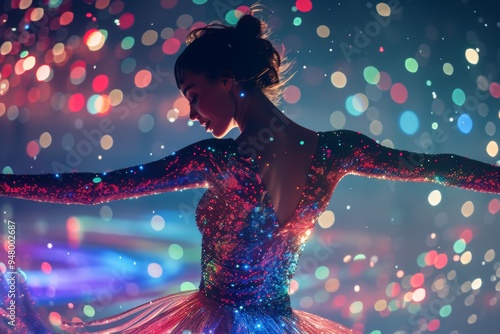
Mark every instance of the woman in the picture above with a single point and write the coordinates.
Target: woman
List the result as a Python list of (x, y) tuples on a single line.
[(265, 190)]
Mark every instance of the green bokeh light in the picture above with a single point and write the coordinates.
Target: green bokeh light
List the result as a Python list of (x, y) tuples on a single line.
[(458, 97), (7, 170), (421, 260), (322, 272), (54, 3), (371, 75), (411, 65), (186, 286), (448, 69), (88, 311), (175, 251), (445, 311), (393, 305), (459, 246), (231, 17), (127, 43), (359, 257)]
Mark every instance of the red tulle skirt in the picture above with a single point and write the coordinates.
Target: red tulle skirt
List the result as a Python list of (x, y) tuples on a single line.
[(187, 312), (191, 312)]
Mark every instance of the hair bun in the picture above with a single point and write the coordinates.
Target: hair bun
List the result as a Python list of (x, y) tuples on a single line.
[(249, 26)]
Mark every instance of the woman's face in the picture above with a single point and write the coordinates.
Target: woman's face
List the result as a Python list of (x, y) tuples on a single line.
[(212, 103)]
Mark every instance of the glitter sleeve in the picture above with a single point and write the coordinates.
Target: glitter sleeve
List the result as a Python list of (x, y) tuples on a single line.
[(363, 156), (190, 167)]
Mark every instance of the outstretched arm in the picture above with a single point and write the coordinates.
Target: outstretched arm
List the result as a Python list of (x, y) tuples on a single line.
[(191, 167), (361, 155)]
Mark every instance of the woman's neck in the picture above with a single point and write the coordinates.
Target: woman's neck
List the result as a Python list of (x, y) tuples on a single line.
[(258, 117)]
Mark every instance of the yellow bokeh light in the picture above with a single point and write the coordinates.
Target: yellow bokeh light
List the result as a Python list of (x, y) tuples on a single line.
[(6, 48), (115, 97), (338, 119), (323, 31), (418, 295), (472, 56), (96, 40), (387, 143), (360, 102), (29, 63), (439, 284), (102, 104), (492, 148), (383, 9), (149, 37), (45, 140), (172, 115), (36, 14), (356, 307), (380, 305), (400, 273), (476, 284), (332, 285), (472, 319), (24, 4), (339, 79), (469, 300), (466, 257), (467, 209), (376, 127), (58, 59), (326, 219), (58, 49), (106, 142), (466, 286), (18, 68), (43, 73), (408, 297), (4, 86), (490, 255)]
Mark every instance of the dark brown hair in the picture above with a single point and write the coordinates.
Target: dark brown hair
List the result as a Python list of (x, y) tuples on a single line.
[(243, 53)]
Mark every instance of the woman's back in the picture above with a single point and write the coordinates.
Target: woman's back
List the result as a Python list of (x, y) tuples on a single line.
[(284, 166)]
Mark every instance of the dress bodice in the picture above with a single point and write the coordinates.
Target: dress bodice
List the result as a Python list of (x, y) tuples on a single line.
[(248, 258)]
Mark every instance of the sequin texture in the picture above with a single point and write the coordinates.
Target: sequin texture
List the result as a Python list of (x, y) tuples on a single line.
[(248, 258)]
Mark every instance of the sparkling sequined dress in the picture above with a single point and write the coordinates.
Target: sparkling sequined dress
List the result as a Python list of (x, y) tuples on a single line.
[(248, 257)]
